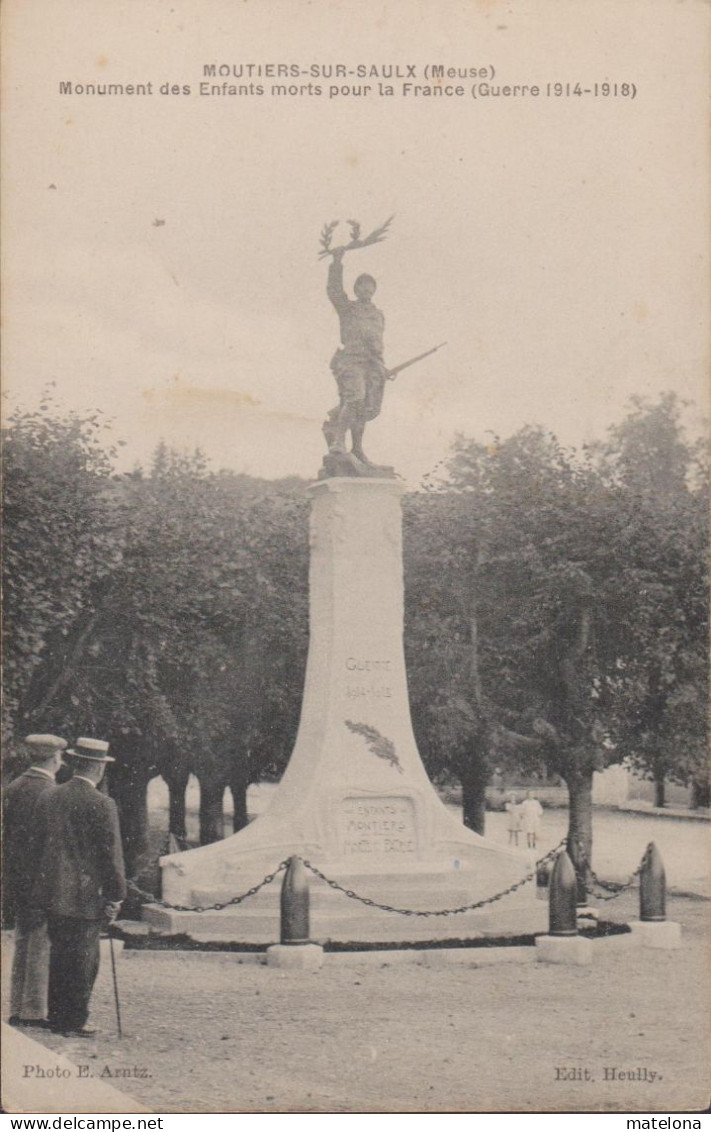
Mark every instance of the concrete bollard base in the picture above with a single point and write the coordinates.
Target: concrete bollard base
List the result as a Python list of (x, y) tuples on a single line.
[(295, 957), (570, 949), (664, 934)]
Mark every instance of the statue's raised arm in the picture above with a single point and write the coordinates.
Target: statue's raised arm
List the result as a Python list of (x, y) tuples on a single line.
[(334, 287)]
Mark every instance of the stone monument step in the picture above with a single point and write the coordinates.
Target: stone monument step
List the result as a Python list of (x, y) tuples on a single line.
[(417, 890), (354, 921)]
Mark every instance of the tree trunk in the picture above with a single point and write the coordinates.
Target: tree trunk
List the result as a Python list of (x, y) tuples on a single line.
[(212, 824), (580, 827), (700, 795), (475, 773), (238, 790), (659, 792), (176, 810), (177, 782), (474, 778), (129, 788)]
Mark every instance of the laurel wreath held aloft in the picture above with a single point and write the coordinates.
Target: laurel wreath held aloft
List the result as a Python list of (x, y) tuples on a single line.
[(374, 237)]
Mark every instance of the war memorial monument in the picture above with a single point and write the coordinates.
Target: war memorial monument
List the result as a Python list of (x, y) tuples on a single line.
[(355, 800)]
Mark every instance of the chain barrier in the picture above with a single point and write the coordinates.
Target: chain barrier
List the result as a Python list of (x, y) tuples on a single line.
[(442, 911), (151, 899), (612, 888), (218, 907)]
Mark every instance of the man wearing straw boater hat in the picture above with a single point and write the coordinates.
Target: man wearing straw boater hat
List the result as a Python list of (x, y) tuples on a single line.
[(30, 961), (80, 882)]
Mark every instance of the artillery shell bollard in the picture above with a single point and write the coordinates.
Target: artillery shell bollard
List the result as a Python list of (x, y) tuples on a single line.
[(295, 952), (585, 912), (563, 944), (652, 928)]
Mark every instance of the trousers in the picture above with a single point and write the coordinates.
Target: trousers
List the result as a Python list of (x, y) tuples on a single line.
[(73, 967), (361, 383), (30, 967)]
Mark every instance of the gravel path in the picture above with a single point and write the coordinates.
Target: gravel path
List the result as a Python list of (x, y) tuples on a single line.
[(217, 1036)]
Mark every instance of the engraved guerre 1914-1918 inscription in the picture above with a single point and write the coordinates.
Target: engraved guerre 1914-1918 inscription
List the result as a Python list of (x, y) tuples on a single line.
[(368, 679)]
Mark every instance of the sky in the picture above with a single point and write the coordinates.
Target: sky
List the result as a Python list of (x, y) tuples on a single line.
[(160, 253)]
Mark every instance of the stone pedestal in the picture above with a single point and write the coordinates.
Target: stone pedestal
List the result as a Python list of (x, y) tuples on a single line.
[(663, 934), (572, 950), (297, 957), (355, 799)]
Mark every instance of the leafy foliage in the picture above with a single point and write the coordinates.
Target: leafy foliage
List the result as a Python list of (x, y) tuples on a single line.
[(662, 664), (557, 606), (63, 539), (165, 611)]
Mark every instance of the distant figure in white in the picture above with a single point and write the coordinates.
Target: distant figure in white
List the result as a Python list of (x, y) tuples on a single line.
[(514, 819), (531, 812)]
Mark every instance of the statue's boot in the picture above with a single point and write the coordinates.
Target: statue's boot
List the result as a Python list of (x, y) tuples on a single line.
[(360, 455), (346, 419), (368, 467), (357, 450)]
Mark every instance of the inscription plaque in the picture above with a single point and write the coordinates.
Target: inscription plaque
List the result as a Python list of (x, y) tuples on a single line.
[(383, 826)]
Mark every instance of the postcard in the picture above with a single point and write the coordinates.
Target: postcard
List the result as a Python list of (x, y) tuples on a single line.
[(355, 398)]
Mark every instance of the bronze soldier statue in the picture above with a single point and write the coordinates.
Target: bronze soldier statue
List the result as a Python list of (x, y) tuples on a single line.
[(357, 365)]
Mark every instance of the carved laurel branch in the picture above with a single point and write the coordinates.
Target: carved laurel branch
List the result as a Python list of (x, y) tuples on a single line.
[(376, 742), (374, 237)]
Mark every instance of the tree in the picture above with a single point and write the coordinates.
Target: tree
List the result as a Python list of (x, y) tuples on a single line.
[(149, 609), (235, 669), (452, 651), (208, 582), (492, 535), (62, 543), (663, 668), (551, 599)]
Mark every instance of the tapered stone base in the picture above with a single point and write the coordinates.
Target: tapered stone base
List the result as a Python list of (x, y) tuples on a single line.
[(355, 799)]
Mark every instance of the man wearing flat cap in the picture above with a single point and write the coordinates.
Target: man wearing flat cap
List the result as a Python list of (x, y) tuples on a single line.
[(80, 882), (30, 962)]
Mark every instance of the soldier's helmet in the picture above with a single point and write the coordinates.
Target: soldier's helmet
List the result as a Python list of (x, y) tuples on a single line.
[(365, 286)]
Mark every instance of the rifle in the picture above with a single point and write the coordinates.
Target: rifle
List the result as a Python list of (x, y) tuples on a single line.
[(392, 373)]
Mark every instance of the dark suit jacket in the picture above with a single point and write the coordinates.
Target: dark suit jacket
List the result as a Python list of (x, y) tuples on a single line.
[(19, 864), (79, 855)]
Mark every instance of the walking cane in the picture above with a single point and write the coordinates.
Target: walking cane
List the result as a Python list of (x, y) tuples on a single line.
[(116, 994)]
